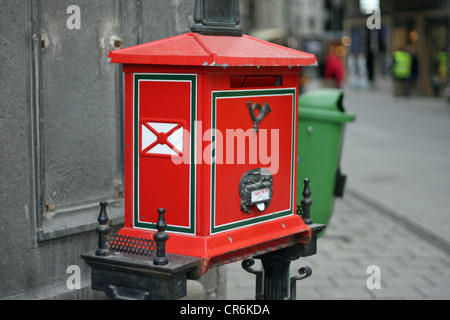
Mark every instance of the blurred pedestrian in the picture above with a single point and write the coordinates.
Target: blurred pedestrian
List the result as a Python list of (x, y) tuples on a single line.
[(362, 70), (401, 71), (439, 78), (334, 68), (352, 69), (414, 72), (447, 89)]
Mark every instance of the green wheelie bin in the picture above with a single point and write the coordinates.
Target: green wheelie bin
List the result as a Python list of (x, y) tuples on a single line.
[(321, 124)]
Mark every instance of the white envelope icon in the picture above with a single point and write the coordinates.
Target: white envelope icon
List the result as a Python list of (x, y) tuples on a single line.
[(162, 138)]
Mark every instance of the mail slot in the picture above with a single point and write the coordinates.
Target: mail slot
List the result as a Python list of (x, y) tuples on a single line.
[(210, 135)]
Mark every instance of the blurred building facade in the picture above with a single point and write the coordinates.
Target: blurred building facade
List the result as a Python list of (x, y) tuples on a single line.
[(299, 24), (287, 22), (421, 27)]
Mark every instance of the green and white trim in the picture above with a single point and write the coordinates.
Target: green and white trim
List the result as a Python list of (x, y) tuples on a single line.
[(168, 77), (216, 95)]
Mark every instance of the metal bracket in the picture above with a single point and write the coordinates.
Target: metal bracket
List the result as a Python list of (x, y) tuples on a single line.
[(304, 273), (246, 265)]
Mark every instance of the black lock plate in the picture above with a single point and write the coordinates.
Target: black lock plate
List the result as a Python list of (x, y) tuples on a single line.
[(256, 188)]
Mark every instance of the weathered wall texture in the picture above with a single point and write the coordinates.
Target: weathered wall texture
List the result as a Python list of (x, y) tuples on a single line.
[(61, 123)]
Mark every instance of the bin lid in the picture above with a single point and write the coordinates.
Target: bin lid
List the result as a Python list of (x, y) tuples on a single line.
[(193, 49), (325, 104)]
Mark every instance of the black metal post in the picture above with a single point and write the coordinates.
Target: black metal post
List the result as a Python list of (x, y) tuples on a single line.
[(160, 238), (275, 283), (218, 17), (103, 230), (306, 203), (276, 270)]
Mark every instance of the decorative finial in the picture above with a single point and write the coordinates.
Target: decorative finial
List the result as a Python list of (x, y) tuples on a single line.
[(217, 17), (306, 203), (160, 238), (103, 229)]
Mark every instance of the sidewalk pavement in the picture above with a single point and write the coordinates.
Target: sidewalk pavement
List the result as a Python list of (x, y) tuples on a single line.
[(360, 236)]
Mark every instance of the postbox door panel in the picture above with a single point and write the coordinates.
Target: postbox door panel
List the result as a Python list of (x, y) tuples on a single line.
[(164, 175), (253, 166)]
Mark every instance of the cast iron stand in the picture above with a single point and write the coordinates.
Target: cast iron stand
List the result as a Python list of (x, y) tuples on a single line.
[(273, 283)]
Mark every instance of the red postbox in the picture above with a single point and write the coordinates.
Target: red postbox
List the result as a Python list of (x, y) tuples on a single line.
[(210, 135)]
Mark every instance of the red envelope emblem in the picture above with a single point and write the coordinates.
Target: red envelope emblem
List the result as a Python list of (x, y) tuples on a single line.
[(162, 138)]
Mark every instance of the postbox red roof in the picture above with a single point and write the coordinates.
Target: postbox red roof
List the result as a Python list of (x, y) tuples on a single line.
[(192, 49)]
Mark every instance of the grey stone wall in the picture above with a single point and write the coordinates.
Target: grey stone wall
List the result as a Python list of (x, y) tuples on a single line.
[(61, 128)]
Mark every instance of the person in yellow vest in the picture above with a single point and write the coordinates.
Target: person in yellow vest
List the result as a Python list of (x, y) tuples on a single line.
[(439, 79), (442, 58), (443, 70), (401, 71)]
